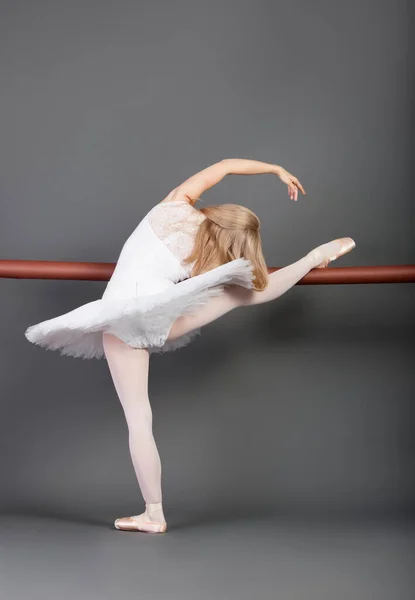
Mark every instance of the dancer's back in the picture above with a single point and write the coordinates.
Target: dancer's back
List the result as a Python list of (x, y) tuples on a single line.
[(151, 258)]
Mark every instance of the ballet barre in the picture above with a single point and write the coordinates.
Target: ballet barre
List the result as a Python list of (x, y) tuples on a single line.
[(93, 271)]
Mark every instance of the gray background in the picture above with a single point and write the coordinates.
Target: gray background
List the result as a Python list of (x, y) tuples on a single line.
[(297, 409)]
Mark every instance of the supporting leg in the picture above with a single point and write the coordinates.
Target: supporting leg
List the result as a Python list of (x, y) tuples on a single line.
[(129, 370)]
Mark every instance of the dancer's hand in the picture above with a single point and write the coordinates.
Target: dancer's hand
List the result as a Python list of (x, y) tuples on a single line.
[(293, 184)]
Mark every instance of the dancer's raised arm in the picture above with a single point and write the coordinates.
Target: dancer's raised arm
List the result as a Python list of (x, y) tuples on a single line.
[(195, 185)]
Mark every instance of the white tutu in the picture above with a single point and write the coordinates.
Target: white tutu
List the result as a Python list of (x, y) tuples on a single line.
[(146, 292)]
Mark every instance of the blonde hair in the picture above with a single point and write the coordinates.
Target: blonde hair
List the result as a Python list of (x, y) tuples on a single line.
[(229, 231)]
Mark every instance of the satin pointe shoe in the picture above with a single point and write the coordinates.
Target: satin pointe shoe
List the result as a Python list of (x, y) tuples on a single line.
[(138, 523), (347, 244)]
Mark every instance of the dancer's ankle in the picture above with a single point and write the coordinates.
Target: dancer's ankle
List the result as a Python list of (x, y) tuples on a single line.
[(322, 252), (313, 258), (154, 512)]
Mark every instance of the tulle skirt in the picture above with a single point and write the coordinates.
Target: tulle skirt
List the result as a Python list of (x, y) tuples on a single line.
[(141, 321)]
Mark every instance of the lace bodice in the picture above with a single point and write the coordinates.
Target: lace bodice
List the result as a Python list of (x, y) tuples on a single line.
[(176, 223)]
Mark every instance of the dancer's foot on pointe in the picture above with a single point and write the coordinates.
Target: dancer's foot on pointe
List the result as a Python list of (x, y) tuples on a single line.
[(326, 253), (150, 521)]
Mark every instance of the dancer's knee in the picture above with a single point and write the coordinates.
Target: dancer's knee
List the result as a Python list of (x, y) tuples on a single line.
[(139, 418)]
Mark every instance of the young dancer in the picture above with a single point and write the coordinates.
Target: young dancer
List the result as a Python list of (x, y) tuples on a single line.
[(180, 269)]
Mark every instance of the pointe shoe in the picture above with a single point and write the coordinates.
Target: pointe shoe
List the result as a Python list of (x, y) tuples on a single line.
[(347, 244), (133, 524)]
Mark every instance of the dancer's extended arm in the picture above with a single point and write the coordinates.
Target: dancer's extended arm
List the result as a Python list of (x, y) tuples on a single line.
[(195, 185)]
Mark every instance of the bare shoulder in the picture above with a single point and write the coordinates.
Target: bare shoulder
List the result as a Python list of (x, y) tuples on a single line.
[(176, 194)]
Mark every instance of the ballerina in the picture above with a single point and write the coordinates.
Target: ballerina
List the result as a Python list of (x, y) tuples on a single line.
[(180, 269)]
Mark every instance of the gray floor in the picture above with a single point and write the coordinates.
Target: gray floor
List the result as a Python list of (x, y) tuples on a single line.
[(208, 557)]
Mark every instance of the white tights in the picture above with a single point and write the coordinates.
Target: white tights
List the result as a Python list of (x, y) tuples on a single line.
[(129, 368)]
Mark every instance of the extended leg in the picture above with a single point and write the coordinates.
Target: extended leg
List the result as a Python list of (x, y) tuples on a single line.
[(233, 296), (129, 370)]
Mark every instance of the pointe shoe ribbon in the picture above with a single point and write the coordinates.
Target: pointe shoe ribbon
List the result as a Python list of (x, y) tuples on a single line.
[(347, 244), (132, 524)]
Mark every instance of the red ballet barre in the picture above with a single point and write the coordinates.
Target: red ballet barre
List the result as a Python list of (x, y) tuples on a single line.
[(92, 271)]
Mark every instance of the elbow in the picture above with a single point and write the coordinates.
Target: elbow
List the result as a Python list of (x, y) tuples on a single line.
[(225, 165)]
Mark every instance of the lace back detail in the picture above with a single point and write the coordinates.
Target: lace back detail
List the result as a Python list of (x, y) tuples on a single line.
[(176, 224)]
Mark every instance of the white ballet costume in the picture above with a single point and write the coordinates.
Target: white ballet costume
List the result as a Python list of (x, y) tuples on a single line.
[(148, 290)]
